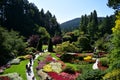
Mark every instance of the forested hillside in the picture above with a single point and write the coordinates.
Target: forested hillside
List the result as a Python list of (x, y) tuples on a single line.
[(70, 25), (25, 17)]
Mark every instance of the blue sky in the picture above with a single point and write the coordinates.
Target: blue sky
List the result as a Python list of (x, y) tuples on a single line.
[(65, 10)]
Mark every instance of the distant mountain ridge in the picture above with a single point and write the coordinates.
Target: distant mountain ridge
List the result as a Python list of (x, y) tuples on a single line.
[(70, 25), (73, 24)]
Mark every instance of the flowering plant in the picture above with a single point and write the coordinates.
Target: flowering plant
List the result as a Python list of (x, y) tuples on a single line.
[(56, 67), (47, 68), (88, 58)]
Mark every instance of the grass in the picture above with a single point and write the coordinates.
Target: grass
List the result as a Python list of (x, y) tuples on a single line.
[(46, 47), (54, 55), (20, 69)]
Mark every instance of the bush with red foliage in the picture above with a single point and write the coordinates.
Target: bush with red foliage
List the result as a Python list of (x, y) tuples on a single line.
[(57, 40), (4, 78), (49, 58), (33, 41)]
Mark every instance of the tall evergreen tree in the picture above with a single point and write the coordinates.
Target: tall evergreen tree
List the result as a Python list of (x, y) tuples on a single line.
[(50, 45)]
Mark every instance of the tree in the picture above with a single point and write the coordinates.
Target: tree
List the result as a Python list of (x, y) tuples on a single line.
[(22, 16), (11, 45), (106, 25), (83, 43), (84, 23), (50, 45), (56, 40), (44, 36), (115, 4), (114, 55), (33, 41), (115, 52)]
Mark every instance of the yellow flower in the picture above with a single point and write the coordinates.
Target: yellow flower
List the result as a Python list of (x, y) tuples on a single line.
[(47, 68), (88, 58), (117, 24)]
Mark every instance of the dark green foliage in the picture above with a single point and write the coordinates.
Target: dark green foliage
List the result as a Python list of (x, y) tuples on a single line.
[(11, 45), (104, 61), (96, 27), (44, 36), (67, 57), (22, 16), (70, 36), (83, 24), (66, 47), (103, 43), (115, 4), (91, 75), (70, 25), (39, 45), (67, 38), (69, 69), (83, 44), (114, 55), (50, 46), (106, 25)]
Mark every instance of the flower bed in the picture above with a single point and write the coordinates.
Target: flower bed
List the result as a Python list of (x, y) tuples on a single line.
[(56, 76), (12, 76), (15, 61), (4, 78), (40, 65), (1, 71), (69, 76)]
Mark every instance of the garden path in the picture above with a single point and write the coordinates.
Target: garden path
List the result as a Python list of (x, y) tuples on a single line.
[(29, 77), (95, 65)]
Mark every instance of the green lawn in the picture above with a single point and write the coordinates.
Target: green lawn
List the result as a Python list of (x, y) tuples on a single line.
[(54, 55), (46, 47), (20, 68)]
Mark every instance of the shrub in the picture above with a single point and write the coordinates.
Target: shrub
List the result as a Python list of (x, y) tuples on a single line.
[(33, 40), (104, 61), (30, 50), (66, 57), (113, 75), (115, 65), (69, 69), (66, 47), (83, 44), (91, 75)]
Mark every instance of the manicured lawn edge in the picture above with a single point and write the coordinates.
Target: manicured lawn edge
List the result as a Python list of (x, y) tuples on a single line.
[(20, 69)]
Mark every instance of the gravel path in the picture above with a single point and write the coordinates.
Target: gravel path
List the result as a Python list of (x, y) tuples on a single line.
[(95, 65), (30, 77)]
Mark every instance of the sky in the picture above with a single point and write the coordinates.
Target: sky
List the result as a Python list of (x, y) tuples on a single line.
[(65, 10)]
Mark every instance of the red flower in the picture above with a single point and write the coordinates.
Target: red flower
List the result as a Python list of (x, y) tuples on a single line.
[(4, 78)]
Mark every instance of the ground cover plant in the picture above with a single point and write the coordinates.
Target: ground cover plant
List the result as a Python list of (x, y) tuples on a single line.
[(20, 69)]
